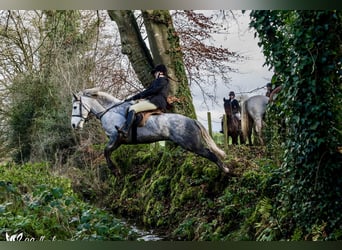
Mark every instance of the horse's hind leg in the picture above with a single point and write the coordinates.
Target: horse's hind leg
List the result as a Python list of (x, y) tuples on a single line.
[(249, 133), (206, 153), (258, 131), (110, 147), (198, 148)]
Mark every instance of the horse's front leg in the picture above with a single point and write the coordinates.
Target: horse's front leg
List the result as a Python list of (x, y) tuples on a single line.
[(110, 147)]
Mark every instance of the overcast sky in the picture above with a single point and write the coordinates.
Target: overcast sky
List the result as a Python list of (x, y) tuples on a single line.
[(252, 74)]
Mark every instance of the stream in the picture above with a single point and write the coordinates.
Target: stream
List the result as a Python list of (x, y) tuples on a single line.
[(146, 235), (143, 234)]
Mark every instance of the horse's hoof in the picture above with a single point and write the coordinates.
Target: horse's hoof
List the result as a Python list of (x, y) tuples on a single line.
[(226, 170)]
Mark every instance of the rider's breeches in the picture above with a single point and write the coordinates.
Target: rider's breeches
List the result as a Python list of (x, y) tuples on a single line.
[(142, 105)]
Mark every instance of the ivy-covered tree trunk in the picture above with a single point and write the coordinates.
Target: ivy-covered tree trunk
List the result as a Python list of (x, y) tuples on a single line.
[(304, 48), (165, 48)]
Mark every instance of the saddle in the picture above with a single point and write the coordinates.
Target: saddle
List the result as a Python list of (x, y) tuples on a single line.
[(142, 117)]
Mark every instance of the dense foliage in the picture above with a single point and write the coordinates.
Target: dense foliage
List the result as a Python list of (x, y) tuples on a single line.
[(38, 121), (304, 49), (36, 205)]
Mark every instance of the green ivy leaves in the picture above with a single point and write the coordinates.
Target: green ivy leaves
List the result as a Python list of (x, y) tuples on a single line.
[(304, 49)]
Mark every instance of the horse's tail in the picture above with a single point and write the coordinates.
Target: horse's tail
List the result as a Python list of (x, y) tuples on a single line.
[(210, 142), (245, 121)]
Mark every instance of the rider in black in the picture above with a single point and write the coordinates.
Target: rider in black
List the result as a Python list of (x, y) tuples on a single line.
[(154, 97), (235, 106)]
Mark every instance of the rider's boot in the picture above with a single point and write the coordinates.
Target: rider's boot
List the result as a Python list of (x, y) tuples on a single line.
[(127, 126)]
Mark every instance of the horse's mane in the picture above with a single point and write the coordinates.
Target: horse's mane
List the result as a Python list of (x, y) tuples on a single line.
[(103, 97)]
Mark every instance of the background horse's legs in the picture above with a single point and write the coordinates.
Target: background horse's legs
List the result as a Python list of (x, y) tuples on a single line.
[(258, 129), (110, 147), (234, 138), (241, 138)]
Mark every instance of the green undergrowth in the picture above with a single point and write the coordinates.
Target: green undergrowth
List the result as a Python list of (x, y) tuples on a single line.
[(179, 195), (37, 205), (187, 197)]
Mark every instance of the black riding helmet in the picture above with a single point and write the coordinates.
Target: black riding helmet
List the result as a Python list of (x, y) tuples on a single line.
[(231, 93), (161, 68)]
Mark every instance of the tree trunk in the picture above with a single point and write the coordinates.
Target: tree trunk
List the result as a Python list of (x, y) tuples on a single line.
[(133, 44), (165, 48)]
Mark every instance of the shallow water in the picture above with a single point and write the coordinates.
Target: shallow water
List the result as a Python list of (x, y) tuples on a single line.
[(144, 235)]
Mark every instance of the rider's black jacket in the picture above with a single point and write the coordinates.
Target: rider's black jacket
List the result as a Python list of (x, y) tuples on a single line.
[(156, 93), (234, 105)]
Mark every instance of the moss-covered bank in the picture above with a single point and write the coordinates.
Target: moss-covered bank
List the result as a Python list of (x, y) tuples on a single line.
[(188, 198)]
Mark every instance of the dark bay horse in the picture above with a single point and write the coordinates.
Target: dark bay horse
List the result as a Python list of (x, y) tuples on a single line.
[(233, 124), (184, 131), (252, 117)]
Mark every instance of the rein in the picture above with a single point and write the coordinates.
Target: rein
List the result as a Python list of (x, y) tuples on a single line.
[(99, 116)]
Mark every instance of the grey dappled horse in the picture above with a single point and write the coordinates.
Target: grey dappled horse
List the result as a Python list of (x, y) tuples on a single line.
[(252, 114), (187, 133)]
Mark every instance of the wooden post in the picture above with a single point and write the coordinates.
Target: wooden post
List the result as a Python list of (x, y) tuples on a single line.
[(210, 129), (225, 132)]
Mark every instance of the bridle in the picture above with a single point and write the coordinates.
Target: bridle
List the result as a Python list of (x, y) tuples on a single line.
[(81, 105)]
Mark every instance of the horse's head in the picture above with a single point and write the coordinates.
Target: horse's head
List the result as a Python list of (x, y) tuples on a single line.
[(80, 112), (227, 107)]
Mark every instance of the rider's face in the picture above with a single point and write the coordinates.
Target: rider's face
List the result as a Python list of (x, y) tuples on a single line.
[(156, 74)]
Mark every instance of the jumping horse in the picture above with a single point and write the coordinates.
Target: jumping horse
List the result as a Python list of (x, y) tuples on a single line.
[(184, 131), (252, 114), (233, 124)]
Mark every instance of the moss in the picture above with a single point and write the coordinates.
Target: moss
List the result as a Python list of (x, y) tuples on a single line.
[(171, 190), (154, 214), (251, 179), (211, 173), (161, 186), (185, 230)]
